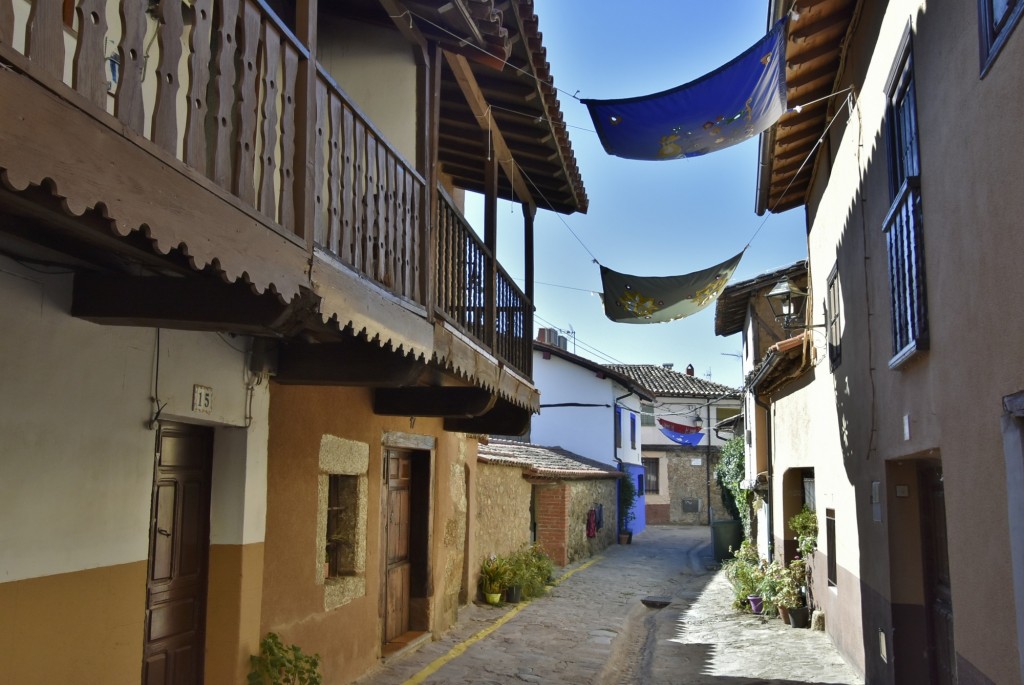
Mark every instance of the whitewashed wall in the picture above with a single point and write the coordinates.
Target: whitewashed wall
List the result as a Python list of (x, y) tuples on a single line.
[(76, 472)]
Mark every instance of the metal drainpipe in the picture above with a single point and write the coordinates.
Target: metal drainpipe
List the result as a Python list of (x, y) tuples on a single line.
[(771, 504), (707, 465)]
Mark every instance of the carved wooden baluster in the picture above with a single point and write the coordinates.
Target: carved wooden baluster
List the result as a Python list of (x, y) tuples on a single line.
[(291, 68), (268, 141), (359, 193), (415, 232), (319, 162), (165, 112), (45, 44), (348, 204), (224, 93), (198, 79), (6, 22), (369, 268), (386, 198), (401, 230), (334, 177), (128, 105), (90, 78), (245, 173)]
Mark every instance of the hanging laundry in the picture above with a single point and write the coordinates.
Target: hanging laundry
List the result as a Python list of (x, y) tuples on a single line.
[(735, 102), (689, 439), (658, 299), (592, 524)]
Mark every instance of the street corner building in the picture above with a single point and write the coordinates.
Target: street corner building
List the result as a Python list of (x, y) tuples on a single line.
[(251, 340), (885, 391)]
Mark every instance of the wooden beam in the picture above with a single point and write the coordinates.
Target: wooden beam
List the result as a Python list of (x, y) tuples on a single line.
[(403, 20), (190, 304), (504, 419), (452, 402), (481, 111), (352, 362)]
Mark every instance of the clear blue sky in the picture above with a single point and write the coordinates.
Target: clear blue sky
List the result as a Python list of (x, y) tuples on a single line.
[(646, 218)]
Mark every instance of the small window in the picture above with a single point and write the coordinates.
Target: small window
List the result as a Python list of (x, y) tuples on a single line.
[(650, 476), (632, 430), (723, 413), (832, 318), (996, 20), (342, 524), (646, 414), (830, 542), (618, 426), (903, 223)]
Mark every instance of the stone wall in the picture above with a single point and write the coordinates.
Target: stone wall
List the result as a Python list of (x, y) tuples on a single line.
[(583, 496), (502, 511), (687, 480)]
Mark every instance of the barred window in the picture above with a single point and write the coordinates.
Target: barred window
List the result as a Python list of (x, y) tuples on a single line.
[(832, 319), (996, 20), (646, 414), (650, 476)]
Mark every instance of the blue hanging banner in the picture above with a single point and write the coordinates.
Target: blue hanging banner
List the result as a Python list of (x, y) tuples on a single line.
[(658, 299), (688, 439), (735, 102)]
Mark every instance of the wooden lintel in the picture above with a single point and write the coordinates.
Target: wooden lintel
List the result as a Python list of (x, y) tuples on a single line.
[(353, 362), (481, 111), (452, 402), (504, 419), (194, 304)]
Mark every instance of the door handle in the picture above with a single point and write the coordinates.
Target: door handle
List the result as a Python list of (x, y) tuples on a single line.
[(164, 532)]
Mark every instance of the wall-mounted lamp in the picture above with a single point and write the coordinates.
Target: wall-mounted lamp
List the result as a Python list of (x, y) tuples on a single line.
[(697, 420), (787, 302)]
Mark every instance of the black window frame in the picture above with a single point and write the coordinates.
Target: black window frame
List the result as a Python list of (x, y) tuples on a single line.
[(830, 547), (651, 465), (632, 430), (833, 307), (992, 34), (618, 427), (903, 223)]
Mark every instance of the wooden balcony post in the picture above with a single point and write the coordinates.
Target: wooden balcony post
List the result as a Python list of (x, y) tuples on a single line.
[(529, 213), (491, 242), (429, 224), (306, 122)]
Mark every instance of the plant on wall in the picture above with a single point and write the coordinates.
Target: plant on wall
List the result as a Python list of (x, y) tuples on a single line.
[(805, 525), (627, 497), (729, 472), (281, 664)]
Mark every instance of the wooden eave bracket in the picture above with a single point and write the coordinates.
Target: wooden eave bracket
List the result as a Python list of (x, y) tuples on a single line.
[(504, 418)]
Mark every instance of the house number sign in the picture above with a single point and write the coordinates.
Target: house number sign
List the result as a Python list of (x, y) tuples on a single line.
[(202, 398)]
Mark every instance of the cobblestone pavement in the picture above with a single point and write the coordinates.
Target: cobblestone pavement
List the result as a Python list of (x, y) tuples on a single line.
[(592, 628)]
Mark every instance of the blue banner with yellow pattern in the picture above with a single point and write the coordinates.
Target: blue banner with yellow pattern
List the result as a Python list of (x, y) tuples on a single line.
[(657, 299), (735, 102)]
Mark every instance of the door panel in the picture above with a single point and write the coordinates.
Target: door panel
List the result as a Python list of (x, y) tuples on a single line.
[(938, 588), (396, 617), (179, 548)]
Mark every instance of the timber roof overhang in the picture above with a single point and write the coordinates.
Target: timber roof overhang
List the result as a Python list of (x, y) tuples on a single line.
[(784, 362), (731, 307), (815, 49), (502, 44), (601, 370)]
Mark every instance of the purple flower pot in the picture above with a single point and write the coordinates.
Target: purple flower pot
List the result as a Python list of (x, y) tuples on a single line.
[(755, 604)]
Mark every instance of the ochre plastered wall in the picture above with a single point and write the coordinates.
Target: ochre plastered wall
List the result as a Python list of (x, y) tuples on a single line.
[(348, 637)]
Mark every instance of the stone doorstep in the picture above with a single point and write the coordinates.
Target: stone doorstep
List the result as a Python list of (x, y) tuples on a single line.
[(404, 644)]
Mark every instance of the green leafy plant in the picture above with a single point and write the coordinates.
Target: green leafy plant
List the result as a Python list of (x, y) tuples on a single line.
[(746, 572), (539, 570), (791, 593), (729, 472), (495, 574), (805, 525), (627, 498), (281, 664), (772, 586)]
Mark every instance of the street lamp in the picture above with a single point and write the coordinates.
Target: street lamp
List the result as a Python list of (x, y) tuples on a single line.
[(787, 302)]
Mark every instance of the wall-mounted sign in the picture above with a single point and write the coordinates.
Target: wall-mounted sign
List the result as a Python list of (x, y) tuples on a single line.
[(202, 399)]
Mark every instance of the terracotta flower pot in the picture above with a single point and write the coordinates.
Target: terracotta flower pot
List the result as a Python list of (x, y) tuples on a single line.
[(784, 614)]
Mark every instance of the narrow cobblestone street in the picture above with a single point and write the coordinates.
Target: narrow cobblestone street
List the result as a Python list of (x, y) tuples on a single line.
[(592, 628)]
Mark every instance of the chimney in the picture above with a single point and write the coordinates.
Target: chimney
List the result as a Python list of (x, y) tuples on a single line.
[(563, 342), (689, 369), (668, 365)]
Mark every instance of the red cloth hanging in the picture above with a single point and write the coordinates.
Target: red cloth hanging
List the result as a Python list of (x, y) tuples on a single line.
[(592, 524)]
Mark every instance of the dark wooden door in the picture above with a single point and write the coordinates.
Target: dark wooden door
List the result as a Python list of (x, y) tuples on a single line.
[(396, 613), (179, 541), (938, 591)]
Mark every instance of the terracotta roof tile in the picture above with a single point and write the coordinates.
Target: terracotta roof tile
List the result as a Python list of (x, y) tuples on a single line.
[(666, 382)]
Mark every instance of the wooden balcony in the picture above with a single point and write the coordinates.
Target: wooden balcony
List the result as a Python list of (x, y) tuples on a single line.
[(213, 143)]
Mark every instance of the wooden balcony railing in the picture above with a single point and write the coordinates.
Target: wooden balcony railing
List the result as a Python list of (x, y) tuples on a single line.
[(219, 86), (492, 309), (372, 216)]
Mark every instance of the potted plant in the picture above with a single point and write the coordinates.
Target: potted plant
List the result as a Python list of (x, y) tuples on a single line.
[(519, 575), (771, 587), (627, 498), (494, 575), (745, 571), (795, 594)]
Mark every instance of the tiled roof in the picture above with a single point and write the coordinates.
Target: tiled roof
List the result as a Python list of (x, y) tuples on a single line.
[(547, 462), (666, 382), (606, 370), (731, 306)]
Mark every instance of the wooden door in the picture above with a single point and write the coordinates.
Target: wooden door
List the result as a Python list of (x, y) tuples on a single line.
[(938, 591), (179, 541), (396, 613)]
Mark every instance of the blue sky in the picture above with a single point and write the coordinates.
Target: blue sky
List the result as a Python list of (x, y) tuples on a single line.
[(646, 218)]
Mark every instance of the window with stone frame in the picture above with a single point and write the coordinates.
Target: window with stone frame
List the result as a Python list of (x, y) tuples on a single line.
[(996, 21), (342, 524), (903, 224)]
